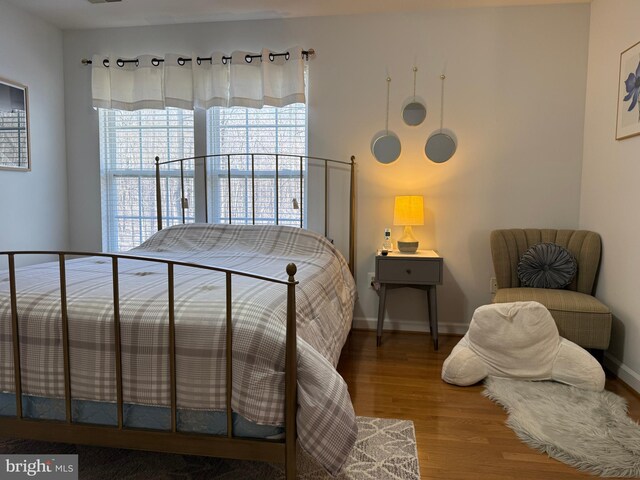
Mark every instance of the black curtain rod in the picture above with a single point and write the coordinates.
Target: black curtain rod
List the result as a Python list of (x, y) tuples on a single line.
[(182, 60)]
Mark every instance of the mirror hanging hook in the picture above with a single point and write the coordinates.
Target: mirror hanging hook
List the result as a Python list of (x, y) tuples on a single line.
[(414, 109), (386, 146), (386, 124), (442, 77), (440, 146)]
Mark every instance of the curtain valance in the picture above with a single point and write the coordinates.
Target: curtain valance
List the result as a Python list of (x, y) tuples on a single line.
[(244, 79)]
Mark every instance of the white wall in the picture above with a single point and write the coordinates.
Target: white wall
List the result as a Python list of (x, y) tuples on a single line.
[(33, 205), (514, 97), (610, 193)]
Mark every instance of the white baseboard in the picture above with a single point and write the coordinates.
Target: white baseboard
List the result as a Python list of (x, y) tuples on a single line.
[(364, 323), (622, 371)]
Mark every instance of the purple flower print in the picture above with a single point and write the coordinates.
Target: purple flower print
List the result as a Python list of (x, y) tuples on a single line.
[(632, 84)]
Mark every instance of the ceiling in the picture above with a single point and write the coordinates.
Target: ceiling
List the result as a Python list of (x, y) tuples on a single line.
[(78, 14)]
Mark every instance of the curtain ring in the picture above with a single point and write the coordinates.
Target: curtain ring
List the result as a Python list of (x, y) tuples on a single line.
[(138, 62), (181, 61), (271, 57), (286, 56), (105, 62), (154, 61), (198, 60), (248, 59), (120, 62), (224, 60)]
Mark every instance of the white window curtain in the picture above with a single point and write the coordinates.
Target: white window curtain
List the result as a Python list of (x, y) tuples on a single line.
[(282, 79), (100, 83), (211, 82), (246, 80), (178, 82), (137, 85)]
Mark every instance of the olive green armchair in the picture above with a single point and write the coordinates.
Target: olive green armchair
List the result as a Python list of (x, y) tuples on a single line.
[(580, 317)]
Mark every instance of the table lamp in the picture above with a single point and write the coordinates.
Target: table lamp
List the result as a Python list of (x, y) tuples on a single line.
[(408, 211)]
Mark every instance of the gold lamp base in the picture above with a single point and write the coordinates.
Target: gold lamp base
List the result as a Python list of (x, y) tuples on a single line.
[(407, 247), (408, 243)]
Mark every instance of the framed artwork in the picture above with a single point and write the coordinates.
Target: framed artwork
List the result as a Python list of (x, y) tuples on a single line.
[(15, 153), (628, 122)]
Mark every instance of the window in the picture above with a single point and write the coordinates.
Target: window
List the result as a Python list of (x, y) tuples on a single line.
[(280, 130), (129, 142), (13, 139)]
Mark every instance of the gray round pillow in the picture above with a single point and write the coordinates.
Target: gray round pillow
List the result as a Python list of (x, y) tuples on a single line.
[(547, 265)]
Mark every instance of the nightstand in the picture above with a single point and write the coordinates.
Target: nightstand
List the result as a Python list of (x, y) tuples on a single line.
[(422, 270)]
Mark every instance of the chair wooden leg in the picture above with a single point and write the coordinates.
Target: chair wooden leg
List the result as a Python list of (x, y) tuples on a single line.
[(597, 354)]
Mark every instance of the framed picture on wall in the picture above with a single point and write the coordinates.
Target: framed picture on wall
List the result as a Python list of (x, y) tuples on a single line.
[(15, 153), (628, 123)]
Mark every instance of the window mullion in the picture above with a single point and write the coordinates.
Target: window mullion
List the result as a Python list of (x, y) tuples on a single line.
[(141, 140), (112, 196)]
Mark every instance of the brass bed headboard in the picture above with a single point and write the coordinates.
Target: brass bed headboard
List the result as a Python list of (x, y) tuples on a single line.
[(184, 204)]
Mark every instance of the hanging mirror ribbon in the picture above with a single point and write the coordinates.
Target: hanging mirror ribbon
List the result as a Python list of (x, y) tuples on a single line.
[(414, 110), (440, 146), (385, 145)]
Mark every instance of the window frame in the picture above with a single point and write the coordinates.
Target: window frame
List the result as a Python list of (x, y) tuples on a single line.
[(14, 127), (109, 176), (111, 172), (215, 174)]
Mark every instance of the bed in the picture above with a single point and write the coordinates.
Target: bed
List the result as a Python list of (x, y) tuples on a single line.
[(184, 344)]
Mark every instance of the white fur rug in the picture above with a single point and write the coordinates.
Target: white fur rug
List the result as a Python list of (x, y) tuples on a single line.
[(587, 430)]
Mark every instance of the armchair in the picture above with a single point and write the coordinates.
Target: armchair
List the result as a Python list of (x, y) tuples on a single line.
[(580, 317)]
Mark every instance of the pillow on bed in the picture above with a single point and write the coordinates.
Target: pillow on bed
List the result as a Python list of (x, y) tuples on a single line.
[(547, 265)]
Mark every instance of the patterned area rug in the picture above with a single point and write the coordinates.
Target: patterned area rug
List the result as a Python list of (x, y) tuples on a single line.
[(587, 430), (385, 449)]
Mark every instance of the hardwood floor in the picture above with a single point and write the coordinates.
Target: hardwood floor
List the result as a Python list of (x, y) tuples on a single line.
[(460, 433)]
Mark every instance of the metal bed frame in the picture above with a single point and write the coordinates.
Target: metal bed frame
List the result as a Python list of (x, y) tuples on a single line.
[(172, 440), (276, 156)]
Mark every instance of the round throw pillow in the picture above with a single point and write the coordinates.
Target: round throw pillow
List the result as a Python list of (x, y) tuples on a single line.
[(547, 265)]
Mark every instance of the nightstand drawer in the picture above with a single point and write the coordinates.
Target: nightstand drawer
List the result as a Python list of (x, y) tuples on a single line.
[(410, 271)]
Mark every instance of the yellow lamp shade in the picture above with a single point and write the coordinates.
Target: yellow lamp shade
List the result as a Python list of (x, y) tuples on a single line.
[(409, 210)]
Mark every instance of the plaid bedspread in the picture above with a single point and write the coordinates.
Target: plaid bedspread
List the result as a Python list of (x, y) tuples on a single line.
[(325, 299)]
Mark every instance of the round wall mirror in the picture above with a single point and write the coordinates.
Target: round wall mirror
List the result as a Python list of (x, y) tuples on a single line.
[(386, 147), (414, 112), (440, 147)]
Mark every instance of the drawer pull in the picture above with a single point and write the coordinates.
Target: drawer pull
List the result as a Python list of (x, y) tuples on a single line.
[(408, 271)]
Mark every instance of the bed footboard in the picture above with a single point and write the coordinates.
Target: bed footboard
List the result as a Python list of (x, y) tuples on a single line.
[(172, 440)]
